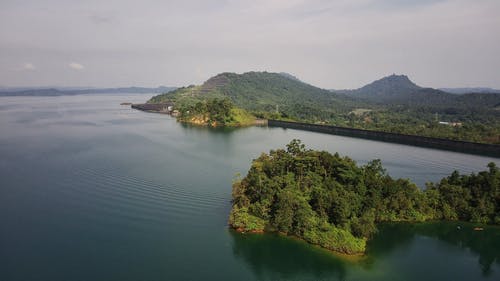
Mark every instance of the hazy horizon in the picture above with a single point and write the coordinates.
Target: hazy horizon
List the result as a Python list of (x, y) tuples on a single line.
[(329, 44), (3, 87)]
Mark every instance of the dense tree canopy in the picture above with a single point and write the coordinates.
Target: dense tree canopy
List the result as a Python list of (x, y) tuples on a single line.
[(213, 112), (328, 200)]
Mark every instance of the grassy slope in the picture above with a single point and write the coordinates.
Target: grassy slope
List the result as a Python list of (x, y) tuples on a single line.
[(241, 117)]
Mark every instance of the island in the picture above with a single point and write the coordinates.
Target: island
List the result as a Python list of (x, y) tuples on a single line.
[(328, 200)]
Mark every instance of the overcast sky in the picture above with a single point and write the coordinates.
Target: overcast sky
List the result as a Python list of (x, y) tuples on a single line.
[(330, 44)]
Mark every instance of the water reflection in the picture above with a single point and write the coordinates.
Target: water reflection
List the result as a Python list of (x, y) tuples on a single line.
[(207, 129), (272, 257), (430, 250), (462, 236)]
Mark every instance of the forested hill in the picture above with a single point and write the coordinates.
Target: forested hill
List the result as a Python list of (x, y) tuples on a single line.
[(387, 88), (265, 93), (268, 92), (399, 89)]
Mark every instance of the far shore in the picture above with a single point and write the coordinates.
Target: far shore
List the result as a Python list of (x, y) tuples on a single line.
[(491, 150)]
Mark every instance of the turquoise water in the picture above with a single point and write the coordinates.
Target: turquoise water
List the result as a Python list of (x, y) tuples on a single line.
[(91, 190)]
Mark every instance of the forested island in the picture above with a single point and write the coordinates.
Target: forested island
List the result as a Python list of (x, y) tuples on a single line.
[(330, 201)]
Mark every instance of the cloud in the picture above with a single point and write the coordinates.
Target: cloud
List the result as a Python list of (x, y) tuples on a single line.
[(331, 44), (76, 66), (29, 66)]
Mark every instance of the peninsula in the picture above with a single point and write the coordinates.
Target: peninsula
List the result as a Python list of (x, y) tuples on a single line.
[(330, 201)]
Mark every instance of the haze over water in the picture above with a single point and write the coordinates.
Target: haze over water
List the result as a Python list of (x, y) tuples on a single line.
[(91, 190)]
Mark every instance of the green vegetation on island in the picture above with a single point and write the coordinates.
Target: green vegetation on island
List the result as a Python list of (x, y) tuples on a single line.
[(211, 109), (215, 112), (330, 201), (392, 104)]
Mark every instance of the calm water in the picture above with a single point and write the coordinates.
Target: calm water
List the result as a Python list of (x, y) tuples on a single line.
[(91, 190)]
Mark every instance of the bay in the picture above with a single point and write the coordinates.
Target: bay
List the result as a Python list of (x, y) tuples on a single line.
[(92, 190)]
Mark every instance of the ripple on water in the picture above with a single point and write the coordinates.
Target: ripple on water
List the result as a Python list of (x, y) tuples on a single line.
[(110, 192)]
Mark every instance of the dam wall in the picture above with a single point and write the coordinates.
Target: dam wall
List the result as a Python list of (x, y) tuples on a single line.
[(491, 150)]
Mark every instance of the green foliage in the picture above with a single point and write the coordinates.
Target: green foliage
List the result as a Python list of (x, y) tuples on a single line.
[(474, 197), (330, 201), (273, 93), (241, 219), (209, 111), (478, 124), (265, 95), (241, 117), (213, 112), (335, 239)]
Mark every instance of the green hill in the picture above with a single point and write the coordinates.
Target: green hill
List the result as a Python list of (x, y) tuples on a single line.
[(270, 95), (387, 88), (399, 89)]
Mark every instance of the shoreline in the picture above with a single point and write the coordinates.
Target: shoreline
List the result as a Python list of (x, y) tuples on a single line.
[(464, 226), (484, 149), (294, 237), (165, 108)]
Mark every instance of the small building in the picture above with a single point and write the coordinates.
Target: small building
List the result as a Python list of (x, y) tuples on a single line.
[(453, 124)]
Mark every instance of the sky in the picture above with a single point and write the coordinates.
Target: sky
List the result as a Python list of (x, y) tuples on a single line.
[(331, 44)]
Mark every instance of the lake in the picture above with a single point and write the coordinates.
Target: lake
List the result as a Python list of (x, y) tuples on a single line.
[(92, 190)]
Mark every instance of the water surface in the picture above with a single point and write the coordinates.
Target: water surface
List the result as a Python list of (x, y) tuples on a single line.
[(91, 190)]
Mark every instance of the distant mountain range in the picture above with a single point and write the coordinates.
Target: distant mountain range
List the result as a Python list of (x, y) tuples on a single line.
[(267, 91), (283, 92), (395, 85), (388, 88), (81, 91)]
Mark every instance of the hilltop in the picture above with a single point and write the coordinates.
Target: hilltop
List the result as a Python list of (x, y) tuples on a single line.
[(400, 90), (390, 87)]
